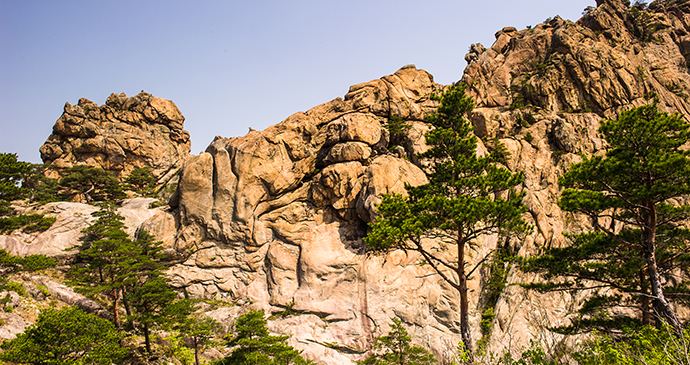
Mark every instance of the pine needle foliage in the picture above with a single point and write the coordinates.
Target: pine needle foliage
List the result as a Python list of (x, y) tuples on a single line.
[(254, 345), (468, 196), (66, 336), (638, 252), (395, 348)]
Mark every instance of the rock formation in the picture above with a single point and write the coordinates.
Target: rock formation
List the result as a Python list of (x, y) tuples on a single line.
[(275, 219), (122, 135)]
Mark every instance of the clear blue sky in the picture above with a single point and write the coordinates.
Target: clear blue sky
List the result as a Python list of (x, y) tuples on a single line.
[(230, 65)]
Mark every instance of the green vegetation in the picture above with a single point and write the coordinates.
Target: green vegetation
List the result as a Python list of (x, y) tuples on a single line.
[(254, 345), (459, 204), (397, 128), (201, 330), (640, 245), (12, 172), (66, 336), (642, 24), (123, 271), (91, 183), (12, 175), (650, 346), (142, 182), (396, 348)]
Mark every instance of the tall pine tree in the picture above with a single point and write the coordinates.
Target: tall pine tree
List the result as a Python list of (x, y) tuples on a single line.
[(468, 196), (635, 196)]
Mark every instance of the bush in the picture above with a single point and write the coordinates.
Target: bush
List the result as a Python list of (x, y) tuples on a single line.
[(648, 346)]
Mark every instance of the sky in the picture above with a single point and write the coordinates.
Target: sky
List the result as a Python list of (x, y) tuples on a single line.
[(230, 65)]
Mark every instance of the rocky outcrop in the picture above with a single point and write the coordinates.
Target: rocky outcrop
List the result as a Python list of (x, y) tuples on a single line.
[(276, 218), (122, 135), (70, 220), (610, 59)]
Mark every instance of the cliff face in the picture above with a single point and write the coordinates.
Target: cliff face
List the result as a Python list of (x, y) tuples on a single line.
[(275, 219), (122, 135)]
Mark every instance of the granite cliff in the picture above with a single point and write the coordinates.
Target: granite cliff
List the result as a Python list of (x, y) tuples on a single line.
[(274, 219)]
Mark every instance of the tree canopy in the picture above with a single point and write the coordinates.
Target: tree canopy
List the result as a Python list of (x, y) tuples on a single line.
[(66, 336), (395, 348), (94, 183), (637, 254), (255, 345), (468, 196)]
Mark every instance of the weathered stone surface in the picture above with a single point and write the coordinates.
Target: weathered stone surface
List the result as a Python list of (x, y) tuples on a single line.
[(349, 151), (276, 218), (122, 135), (71, 219), (288, 206), (595, 64)]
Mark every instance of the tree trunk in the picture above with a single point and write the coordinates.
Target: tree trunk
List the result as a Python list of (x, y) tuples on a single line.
[(464, 303), (116, 316), (147, 341), (644, 298), (125, 302), (662, 306), (196, 351)]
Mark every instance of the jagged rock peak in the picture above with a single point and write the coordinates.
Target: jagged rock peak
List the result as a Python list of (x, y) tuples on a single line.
[(611, 58), (124, 134)]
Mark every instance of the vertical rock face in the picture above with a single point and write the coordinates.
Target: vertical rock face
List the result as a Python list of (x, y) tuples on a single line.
[(276, 218), (122, 135)]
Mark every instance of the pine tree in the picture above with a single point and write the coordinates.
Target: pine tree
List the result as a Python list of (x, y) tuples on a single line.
[(66, 336), (395, 348), (254, 344), (12, 172), (635, 197), (142, 182), (94, 183), (101, 267), (467, 196), (200, 329)]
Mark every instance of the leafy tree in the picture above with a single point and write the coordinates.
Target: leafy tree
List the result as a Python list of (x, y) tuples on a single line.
[(467, 196), (29, 223), (397, 127), (254, 344), (66, 336), (395, 348), (13, 175), (634, 197), (142, 181), (128, 272), (147, 289), (94, 183)]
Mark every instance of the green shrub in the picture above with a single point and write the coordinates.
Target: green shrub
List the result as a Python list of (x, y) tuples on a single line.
[(529, 138), (650, 346), (67, 336), (16, 287)]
